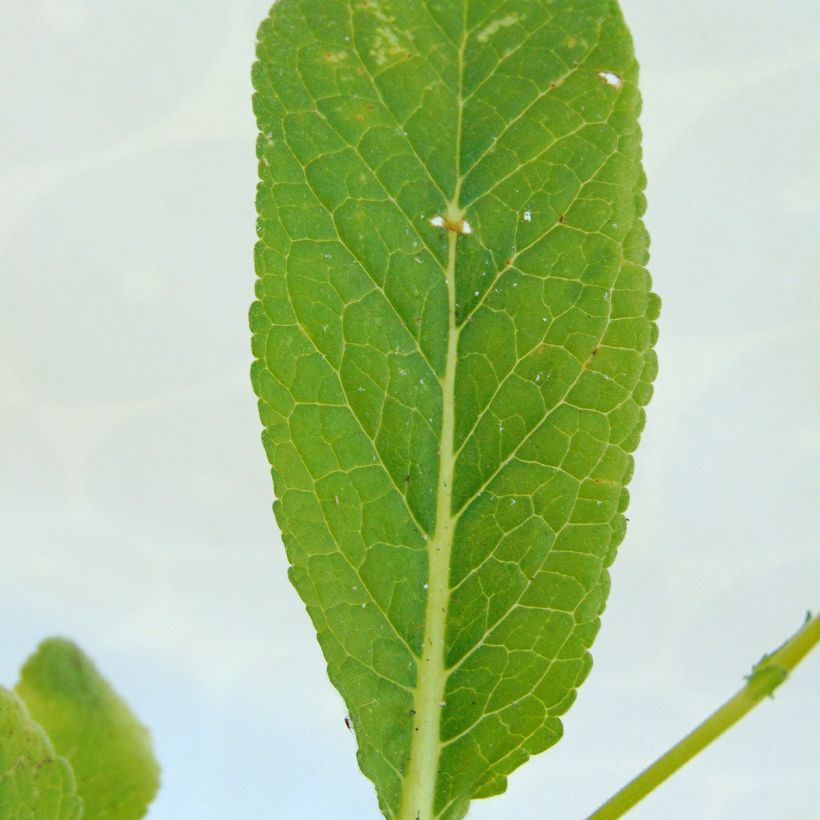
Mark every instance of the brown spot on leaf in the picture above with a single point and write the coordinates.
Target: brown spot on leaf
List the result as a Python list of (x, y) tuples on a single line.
[(454, 226), (592, 355)]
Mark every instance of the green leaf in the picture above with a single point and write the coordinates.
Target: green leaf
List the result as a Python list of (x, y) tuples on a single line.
[(452, 334), (109, 749), (35, 782)]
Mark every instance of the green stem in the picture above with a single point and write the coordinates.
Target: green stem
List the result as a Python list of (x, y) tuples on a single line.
[(766, 676)]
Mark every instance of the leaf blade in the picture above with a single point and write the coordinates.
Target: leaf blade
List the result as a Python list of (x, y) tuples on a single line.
[(487, 380)]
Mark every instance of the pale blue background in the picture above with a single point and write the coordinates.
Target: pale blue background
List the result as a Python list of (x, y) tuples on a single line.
[(135, 498)]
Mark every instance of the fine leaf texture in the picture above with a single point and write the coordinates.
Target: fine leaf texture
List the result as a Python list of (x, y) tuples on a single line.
[(452, 334), (35, 782), (108, 748)]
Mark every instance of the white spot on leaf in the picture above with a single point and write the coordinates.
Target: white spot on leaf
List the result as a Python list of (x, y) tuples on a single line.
[(496, 25), (386, 45), (611, 78)]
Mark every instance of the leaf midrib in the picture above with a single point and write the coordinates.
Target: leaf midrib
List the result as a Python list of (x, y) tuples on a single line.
[(419, 787)]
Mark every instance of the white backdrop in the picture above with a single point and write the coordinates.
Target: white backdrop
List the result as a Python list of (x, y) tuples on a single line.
[(134, 493)]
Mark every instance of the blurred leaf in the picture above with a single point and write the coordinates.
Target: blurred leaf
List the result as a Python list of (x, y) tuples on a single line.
[(108, 748), (35, 782)]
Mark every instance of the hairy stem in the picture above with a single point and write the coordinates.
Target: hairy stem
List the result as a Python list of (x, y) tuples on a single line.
[(766, 676)]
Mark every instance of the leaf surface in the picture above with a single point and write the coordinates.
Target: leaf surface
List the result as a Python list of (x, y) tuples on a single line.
[(35, 782), (452, 335), (108, 748)]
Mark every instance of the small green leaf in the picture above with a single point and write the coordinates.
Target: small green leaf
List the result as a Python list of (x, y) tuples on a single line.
[(453, 338), (109, 749), (35, 782)]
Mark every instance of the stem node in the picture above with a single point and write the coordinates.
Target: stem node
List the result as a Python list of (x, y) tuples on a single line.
[(766, 676)]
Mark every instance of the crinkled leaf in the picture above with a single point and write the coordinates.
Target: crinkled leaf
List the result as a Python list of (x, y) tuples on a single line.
[(35, 782), (453, 337), (109, 749)]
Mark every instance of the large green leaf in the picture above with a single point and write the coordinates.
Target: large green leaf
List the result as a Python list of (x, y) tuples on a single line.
[(452, 340), (35, 782), (108, 748)]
